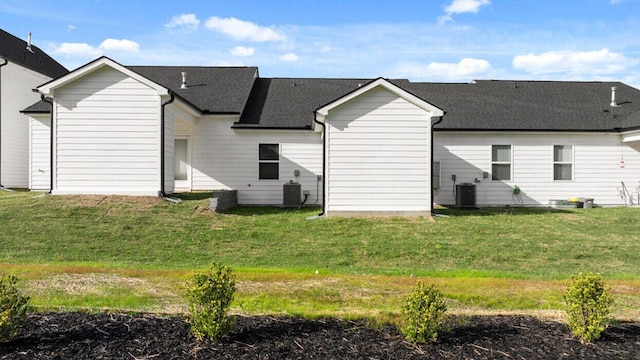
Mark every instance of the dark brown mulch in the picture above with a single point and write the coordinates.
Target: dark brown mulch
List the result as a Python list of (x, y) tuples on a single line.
[(118, 336)]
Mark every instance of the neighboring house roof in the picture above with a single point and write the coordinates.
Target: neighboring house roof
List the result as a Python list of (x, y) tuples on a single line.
[(211, 90), (489, 105), (15, 50)]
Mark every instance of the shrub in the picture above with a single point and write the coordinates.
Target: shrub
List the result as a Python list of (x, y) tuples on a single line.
[(209, 295), (423, 314), (13, 308), (588, 301)]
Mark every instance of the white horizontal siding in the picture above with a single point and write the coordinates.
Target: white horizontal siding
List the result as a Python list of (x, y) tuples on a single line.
[(107, 136), (223, 158), (39, 165), (378, 155), (17, 83), (596, 166)]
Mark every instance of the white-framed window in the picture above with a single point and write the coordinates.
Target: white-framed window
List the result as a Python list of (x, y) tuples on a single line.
[(501, 162), (562, 162), (268, 161)]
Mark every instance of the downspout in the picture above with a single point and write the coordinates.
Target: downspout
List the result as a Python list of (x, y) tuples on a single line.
[(50, 143), (163, 194), (431, 170), (324, 164), (1, 65)]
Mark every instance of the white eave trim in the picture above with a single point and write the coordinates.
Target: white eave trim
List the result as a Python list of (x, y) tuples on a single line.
[(631, 136), (49, 88), (321, 113)]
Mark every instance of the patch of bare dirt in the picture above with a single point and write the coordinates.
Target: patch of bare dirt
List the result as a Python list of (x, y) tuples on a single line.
[(119, 336)]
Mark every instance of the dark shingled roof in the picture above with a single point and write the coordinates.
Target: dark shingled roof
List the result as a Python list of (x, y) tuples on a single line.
[(289, 103), (15, 50), (532, 105), (41, 107), (211, 90)]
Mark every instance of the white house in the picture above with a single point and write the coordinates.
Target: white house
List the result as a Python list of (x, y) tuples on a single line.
[(355, 146), (23, 66)]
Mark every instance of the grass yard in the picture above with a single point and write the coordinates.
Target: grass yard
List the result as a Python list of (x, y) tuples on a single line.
[(135, 253)]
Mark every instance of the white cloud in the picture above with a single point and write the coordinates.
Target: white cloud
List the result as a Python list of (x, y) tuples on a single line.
[(119, 45), (243, 30), (573, 62), (242, 51), (290, 57), (71, 27), (460, 7), (183, 21), (465, 70), (84, 50), (77, 49)]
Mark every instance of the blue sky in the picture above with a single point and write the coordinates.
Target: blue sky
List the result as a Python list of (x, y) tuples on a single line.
[(427, 40)]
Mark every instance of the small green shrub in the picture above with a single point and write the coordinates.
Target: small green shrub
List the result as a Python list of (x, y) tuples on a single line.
[(588, 301), (423, 314), (13, 308), (209, 295)]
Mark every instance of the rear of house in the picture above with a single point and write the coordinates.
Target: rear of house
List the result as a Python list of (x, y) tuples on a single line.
[(354, 146)]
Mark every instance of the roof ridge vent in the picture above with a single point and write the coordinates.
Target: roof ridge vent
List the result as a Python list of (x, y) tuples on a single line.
[(184, 80), (613, 97), (29, 42)]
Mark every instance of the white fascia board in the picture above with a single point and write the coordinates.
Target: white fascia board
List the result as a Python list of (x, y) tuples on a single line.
[(48, 89), (322, 112), (631, 136)]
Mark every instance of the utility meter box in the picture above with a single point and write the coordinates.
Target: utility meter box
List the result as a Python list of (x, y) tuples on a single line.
[(292, 194)]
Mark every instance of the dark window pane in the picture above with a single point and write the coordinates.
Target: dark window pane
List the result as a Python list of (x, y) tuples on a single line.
[(562, 172), (269, 171), (268, 152), (562, 153), (501, 172)]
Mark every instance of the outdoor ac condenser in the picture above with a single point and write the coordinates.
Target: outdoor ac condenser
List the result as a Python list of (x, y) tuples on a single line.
[(292, 194)]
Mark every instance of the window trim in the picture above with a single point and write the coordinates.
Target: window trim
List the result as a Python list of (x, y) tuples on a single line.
[(570, 162), (510, 163), (268, 161)]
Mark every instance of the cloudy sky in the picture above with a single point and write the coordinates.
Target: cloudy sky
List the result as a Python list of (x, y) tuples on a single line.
[(422, 40)]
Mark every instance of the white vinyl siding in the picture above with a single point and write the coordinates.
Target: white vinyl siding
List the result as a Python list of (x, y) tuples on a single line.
[(40, 130), (596, 168), (107, 136), (378, 155), (17, 84), (224, 158)]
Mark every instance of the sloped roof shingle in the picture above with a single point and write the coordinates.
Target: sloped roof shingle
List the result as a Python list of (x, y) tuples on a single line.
[(15, 50)]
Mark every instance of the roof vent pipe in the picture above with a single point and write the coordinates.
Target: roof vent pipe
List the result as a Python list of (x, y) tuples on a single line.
[(29, 42), (184, 81), (613, 97)]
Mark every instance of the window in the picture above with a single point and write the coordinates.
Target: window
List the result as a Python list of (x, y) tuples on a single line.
[(501, 162), (268, 161), (562, 162)]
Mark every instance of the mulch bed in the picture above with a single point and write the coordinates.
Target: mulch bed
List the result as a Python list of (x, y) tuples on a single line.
[(119, 336)]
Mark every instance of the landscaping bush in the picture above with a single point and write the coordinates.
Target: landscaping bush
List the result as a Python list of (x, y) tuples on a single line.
[(209, 295), (13, 308), (588, 301), (423, 314)]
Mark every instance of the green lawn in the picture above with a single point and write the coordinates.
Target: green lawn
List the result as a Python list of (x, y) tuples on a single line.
[(532, 250)]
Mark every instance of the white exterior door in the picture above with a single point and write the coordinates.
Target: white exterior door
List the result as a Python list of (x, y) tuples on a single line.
[(182, 173)]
